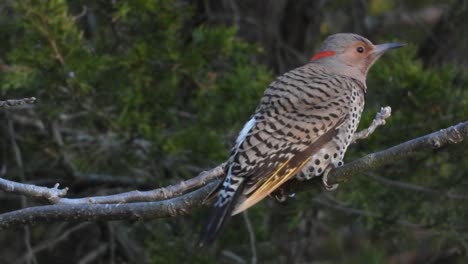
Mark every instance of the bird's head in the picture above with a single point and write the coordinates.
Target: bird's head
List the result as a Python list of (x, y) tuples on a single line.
[(351, 54)]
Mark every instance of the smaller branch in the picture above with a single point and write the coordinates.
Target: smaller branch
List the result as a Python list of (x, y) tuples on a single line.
[(94, 254), (83, 13), (379, 120), (162, 193), (16, 102), (30, 256), (54, 195), (181, 205), (236, 15), (112, 242), (26, 120), (234, 257), (251, 232), (451, 135), (50, 244), (58, 55), (51, 194)]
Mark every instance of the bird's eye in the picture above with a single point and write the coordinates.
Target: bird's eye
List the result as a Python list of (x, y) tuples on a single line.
[(360, 49)]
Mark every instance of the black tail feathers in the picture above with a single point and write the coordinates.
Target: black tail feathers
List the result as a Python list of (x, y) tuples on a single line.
[(219, 218), (217, 221)]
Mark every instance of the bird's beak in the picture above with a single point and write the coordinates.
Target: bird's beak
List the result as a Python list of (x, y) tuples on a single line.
[(380, 49)]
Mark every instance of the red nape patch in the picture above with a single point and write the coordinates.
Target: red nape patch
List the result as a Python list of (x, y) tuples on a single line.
[(323, 54)]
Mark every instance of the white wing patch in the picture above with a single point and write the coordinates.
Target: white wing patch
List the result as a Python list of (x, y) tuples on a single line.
[(247, 127), (226, 193)]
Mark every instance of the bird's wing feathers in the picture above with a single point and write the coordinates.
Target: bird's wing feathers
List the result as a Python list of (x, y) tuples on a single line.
[(260, 185)]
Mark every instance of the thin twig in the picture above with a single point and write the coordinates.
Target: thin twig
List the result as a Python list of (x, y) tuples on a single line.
[(84, 11), (94, 254), (16, 102), (50, 244), (251, 232), (29, 190), (111, 229), (54, 195), (233, 256), (379, 120), (163, 193), (181, 205)]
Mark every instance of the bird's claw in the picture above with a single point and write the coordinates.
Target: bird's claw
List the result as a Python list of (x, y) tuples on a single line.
[(280, 195), (327, 186)]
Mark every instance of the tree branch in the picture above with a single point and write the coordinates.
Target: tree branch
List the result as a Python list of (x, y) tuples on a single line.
[(177, 206), (50, 244), (379, 120), (51, 194), (189, 202), (55, 195), (16, 102), (452, 135), (162, 193), (250, 230)]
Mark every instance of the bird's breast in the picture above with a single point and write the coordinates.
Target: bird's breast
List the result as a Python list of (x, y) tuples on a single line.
[(332, 153)]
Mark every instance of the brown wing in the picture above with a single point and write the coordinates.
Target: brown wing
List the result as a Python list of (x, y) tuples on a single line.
[(289, 129), (271, 177)]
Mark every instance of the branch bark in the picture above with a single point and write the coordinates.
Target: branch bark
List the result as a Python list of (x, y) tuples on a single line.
[(379, 120), (56, 196), (51, 194), (186, 203), (16, 102)]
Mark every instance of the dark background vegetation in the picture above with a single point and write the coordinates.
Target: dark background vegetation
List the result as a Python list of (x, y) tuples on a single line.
[(138, 94)]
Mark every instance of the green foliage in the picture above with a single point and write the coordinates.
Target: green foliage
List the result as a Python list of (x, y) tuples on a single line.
[(177, 84), (186, 87), (377, 7)]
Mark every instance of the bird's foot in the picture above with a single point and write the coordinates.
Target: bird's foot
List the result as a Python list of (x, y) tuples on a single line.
[(280, 195), (327, 186)]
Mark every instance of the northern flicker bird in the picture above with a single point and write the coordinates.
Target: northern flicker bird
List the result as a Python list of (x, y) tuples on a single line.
[(301, 128)]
